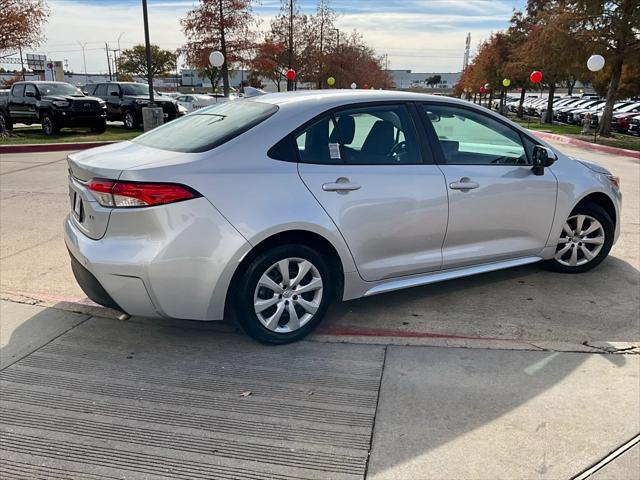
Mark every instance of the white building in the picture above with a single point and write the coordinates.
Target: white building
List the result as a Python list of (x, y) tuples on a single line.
[(408, 79)]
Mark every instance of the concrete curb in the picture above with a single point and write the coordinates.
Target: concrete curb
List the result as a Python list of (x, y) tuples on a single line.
[(340, 334), (590, 146), (51, 147)]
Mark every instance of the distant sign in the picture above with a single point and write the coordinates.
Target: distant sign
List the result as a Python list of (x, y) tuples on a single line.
[(36, 62)]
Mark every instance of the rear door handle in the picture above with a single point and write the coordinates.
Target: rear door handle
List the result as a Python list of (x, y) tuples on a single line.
[(342, 184), (464, 183)]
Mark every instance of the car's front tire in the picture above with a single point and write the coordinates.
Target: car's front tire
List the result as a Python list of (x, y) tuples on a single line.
[(130, 121), (283, 294), (585, 241), (49, 125), (99, 127)]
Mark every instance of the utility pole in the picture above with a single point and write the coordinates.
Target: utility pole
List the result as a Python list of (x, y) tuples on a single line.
[(106, 49), (290, 82), (22, 64), (84, 60), (145, 19), (115, 63)]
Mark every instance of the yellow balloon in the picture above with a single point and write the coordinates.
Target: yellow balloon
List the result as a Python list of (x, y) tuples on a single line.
[(506, 82), (331, 81)]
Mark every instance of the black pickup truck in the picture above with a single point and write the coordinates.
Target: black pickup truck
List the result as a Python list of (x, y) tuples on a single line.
[(125, 101), (54, 105)]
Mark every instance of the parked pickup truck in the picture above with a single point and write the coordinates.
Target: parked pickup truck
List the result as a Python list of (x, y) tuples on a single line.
[(125, 101), (54, 105)]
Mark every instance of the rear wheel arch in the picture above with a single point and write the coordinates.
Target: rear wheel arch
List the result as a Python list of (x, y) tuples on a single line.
[(289, 237)]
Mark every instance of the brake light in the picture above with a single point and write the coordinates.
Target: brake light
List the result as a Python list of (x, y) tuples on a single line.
[(123, 194)]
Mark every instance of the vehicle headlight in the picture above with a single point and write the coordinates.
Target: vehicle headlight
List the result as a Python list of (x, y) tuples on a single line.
[(142, 102), (102, 103), (61, 103)]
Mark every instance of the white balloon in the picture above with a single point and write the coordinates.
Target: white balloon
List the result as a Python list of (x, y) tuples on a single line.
[(354, 86), (595, 63), (216, 59)]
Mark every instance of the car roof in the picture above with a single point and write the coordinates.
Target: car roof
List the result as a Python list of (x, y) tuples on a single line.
[(337, 97)]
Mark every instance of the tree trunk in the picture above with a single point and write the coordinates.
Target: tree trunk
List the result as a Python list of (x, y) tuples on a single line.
[(523, 92), (548, 118), (570, 85), (490, 98), (223, 49), (604, 122)]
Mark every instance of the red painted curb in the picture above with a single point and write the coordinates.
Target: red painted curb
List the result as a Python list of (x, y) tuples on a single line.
[(347, 331), (588, 145), (51, 147)]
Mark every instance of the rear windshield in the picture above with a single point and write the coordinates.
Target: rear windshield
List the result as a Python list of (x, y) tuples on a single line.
[(208, 127)]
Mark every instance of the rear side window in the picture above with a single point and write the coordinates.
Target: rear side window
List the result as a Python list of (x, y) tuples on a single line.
[(367, 135), (101, 90), (18, 90), (209, 128)]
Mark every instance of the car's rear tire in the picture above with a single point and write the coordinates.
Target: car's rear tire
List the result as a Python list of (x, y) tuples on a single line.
[(49, 125), (130, 121), (278, 308), (99, 127), (585, 241), (5, 123)]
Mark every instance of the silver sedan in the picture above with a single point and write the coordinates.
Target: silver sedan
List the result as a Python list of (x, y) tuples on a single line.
[(268, 209)]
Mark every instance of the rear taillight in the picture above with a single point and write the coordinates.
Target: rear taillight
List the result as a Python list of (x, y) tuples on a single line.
[(123, 194)]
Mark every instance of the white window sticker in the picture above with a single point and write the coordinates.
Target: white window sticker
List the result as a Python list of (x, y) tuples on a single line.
[(334, 151)]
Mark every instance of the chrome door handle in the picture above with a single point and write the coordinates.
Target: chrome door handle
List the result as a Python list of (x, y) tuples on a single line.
[(342, 184), (464, 183)]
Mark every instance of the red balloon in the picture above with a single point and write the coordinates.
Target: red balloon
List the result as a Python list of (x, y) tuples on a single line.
[(536, 76), (366, 86), (483, 90), (291, 75)]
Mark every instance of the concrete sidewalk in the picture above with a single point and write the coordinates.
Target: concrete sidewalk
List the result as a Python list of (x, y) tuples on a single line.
[(89, 397)]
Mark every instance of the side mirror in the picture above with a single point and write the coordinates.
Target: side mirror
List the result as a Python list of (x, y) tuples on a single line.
[(542, 157), (115, 94), (30, 94)]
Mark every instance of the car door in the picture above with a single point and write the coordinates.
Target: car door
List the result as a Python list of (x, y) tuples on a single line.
[(373, 174), (30, 106), (15, 104), (114, 101), (498, 207), (186, 102)]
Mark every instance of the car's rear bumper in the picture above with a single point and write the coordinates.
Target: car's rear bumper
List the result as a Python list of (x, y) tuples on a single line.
[(172, 261)]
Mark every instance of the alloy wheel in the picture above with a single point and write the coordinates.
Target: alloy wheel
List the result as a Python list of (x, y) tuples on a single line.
[(288, 295), (581, 241), (48, 125), (128, 120)]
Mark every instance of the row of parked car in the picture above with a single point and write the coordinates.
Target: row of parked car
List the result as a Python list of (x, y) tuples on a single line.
[(574, 109), (57, 105)]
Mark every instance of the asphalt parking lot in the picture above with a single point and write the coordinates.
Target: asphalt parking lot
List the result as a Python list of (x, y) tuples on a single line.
[(550, 388)]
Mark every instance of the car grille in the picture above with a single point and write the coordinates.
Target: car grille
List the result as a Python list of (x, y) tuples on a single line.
[(85, 105)]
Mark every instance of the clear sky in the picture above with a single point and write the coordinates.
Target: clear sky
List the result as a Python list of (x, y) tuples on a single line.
[(422, 35)]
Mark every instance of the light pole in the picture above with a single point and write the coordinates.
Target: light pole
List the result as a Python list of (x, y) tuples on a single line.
[(595, 64)]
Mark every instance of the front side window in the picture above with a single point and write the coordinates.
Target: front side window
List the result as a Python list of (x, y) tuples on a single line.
[(468, 137), (29, 88), (209, 127), (371, 135)]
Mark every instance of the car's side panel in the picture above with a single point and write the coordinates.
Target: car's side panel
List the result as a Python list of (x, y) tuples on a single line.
[(576, 182)]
